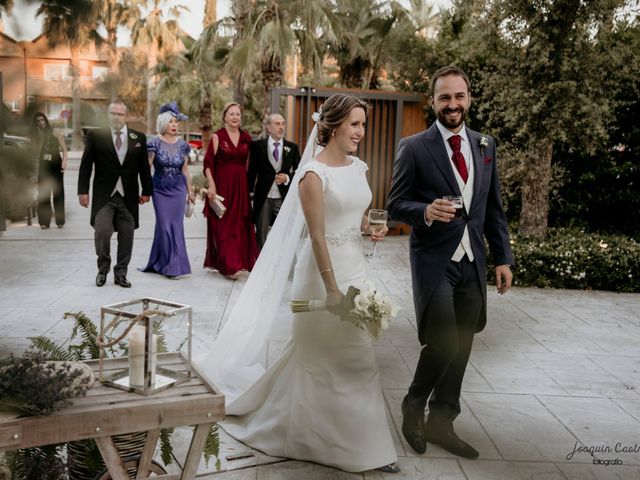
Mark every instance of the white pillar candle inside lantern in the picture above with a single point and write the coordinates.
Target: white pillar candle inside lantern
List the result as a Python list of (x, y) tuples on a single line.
[(136, 355)]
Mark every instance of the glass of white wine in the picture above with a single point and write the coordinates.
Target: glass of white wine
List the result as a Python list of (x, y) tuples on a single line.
[(377, 221)]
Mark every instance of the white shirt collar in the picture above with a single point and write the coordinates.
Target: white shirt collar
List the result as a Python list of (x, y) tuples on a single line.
[(446, 133), (123, 130), (271, 142)]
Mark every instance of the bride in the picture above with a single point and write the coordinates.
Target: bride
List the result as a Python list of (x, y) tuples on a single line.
[(321, 399)]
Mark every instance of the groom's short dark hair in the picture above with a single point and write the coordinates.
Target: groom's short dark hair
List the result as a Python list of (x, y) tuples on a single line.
[(448, 70)]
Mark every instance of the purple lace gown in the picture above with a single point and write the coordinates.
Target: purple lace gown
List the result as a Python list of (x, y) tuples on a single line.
[(169, 251)]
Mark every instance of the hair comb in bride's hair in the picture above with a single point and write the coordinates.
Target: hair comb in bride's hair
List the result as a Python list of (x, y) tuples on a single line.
[(317, 116)]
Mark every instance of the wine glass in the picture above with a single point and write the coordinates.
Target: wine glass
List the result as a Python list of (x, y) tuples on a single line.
[(377, 221)]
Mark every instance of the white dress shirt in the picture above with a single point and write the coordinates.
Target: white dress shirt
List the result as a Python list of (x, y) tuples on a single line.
[(465, 188), (122, 153)]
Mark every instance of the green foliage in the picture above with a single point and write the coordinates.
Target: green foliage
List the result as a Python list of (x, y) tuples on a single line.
[(166, 450), (41, 463), (573, 258), (212, 446)]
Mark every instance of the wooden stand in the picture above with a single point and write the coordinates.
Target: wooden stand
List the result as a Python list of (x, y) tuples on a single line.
[(106, 411)]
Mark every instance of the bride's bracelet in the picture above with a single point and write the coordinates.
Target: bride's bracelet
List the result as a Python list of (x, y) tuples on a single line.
[(325, 271)]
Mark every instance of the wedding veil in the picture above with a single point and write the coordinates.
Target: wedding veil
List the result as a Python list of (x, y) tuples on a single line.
[(238, 356)]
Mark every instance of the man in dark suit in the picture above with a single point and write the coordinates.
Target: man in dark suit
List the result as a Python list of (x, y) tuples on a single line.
[(272, 164), (448, 266), (120, 158)]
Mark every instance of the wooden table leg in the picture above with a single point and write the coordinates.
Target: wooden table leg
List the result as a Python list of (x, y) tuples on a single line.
[(111, 458), (195, 451), (147, 454)]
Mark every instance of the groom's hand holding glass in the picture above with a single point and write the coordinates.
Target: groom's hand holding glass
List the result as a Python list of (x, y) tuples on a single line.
[(441, 210)]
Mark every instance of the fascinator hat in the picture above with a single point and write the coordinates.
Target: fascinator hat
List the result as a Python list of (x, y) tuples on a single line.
[(172, 107)]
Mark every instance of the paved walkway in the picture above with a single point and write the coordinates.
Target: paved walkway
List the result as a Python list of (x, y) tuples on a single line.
[(554, 368)]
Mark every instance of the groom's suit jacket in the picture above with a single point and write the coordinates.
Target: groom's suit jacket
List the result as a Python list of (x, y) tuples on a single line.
[(262, 174), (100, 151), (423, 173)]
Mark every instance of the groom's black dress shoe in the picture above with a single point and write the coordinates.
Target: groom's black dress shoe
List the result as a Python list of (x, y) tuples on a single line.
[(122, 281), (413, 427), (101, 279), (447, 439)]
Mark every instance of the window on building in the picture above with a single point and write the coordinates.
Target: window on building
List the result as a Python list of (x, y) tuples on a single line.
[(57, 71), (99, 73), (13, 105), (54, 109)]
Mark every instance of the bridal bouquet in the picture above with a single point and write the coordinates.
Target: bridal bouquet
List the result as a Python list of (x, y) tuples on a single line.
[(367, 309)]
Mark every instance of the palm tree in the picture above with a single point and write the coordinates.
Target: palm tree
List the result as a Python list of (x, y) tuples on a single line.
[(115, 13), (267, 31), (362, 31), (72, 21), (157, 36), (195, 77)]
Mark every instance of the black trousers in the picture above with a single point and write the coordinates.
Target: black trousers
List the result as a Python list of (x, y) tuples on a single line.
[(50, 182), (265, 219), (449, 321), (114, 214)]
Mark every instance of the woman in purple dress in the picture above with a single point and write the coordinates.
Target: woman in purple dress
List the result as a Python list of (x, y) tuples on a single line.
[(171, 187)]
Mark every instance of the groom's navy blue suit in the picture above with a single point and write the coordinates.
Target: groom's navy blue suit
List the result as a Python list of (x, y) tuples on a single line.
[(423, 173)]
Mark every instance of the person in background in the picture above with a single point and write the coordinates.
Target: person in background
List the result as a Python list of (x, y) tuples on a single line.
[(168, 155), (272, 164), (231, 239), (52, 162), (120, 158)]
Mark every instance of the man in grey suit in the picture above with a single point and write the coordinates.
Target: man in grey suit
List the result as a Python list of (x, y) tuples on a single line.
[(448, 265), (120, 158)]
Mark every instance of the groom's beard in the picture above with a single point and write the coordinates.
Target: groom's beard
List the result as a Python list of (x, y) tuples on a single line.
[(448, 124)]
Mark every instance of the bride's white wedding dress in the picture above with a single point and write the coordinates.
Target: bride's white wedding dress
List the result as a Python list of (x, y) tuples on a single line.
[(322, 401)]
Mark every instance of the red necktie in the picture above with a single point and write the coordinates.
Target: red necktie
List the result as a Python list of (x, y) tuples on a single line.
[(118, 140), (458, 158)]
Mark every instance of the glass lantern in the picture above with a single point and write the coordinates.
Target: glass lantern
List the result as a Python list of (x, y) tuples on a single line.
[(155, 336)]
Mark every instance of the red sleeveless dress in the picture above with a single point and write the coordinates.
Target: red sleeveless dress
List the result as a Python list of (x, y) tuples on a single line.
[(231, 240)]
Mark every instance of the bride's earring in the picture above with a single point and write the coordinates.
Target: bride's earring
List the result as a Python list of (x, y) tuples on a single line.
[(333, 134)]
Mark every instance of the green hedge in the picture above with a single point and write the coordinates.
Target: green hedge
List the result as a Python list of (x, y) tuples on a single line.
[(574, 259)]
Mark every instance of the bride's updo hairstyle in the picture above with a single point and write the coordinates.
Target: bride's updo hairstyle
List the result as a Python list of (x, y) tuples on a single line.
[(333, 112)]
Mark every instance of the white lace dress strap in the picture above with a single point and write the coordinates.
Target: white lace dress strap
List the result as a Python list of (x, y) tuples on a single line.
[(320, 169)]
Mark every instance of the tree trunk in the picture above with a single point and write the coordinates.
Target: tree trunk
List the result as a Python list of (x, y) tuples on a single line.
[(151, 89), (205, 123), (76, 114), (113, 60), (210, 13), (272, 77), (535, 189)]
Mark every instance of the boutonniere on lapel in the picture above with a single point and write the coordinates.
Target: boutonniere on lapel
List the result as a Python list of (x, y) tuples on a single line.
[(133, 136), (287, 149), (484, 143)]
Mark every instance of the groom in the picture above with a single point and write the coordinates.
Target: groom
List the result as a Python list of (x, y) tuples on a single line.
[(448, 266)]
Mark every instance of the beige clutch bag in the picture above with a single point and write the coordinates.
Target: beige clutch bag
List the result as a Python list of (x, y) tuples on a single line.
[(217, 206)]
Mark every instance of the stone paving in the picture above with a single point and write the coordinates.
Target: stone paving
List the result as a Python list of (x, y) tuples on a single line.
[(553, 371)]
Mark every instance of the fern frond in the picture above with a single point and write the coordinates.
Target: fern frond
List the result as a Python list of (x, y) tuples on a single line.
[(52, 350), (166, 449), (212, 446)]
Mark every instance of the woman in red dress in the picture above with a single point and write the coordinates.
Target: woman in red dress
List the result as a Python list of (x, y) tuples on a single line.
[(231, 240)]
